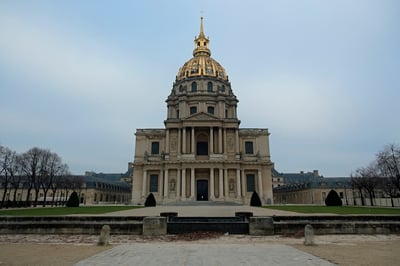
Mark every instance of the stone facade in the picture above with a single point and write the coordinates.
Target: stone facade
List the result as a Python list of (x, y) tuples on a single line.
[(95, 189), (202, 154)]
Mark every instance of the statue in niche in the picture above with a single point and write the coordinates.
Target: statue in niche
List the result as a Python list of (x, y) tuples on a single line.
[(231, 143), (172, 186), (174, 142), (231, 185)]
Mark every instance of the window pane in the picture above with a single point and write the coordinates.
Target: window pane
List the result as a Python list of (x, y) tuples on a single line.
[(210, 110), (249, 147), (155, 147), (251, 185), (193, 110), (194, 86), (153, 183), (209, 87), (202, 148)]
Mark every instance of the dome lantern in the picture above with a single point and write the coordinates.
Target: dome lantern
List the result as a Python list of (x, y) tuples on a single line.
[(201, 43)]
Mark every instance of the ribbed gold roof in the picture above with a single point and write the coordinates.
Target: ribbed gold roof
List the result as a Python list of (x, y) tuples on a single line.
[(201, 64)]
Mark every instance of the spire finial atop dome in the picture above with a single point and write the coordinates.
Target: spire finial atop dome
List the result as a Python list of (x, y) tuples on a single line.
[(201, 43), (201, 28)]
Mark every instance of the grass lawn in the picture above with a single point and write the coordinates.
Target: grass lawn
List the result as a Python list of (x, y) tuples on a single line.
[(40, 211), (335, 210)]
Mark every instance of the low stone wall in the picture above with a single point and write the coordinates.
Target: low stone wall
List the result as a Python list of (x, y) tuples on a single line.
[(338, 224), (159, 225), (69, 225)]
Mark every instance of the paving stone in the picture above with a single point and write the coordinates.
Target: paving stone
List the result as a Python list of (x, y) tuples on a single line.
[(203, 254)]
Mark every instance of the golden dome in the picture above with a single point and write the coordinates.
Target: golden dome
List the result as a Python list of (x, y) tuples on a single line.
[(201, 64)]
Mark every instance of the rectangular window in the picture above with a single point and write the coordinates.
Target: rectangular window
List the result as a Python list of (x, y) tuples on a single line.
[(210, 110), (193, 110), (249, 147), (251, 182), (341, 195), (153, 183), (155, 147)]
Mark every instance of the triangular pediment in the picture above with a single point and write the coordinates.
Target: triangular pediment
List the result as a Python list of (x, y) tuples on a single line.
[(201, 117)]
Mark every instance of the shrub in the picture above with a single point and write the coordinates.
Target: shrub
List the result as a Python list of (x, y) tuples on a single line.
[(150, 201), (73, 200), (333, 199), (255, 200)]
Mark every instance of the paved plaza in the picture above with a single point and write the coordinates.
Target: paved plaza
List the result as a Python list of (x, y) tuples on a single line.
[(203, 254), (206, 210)]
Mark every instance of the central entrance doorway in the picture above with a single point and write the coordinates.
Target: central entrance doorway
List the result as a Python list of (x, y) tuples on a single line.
[(202, 190)]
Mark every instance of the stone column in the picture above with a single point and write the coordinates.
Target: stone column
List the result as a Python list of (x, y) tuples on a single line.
[(237, 140), (224, 148), (193, 143), (179, 141), (243, 184), (184, 140), (219, 140), (211, 140), (260, 185), (184, 183), (226, 183), (161, 184), (212, 196), (167, 141), (165, 183), (144, 184), (238, 190), (178, 184), (221, 183), (192, 183)]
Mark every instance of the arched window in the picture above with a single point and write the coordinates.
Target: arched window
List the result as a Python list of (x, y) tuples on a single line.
[(202, 145), (194, 86), (209, 87), (153, 183), (251, 182)]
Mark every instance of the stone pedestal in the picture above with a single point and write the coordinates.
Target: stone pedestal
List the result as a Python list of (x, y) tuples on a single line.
[(154, 226), (261, 226)]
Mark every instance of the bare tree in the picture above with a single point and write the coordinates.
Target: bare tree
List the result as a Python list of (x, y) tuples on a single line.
[(16, 178), (30, 167), (388, 188), (57, 183), (367, 179), (357, 184), (388, 161), (7, 171)]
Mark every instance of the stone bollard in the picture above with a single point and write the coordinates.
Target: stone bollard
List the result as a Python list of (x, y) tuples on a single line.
[(104, 238), (309, 235), (155, 226)]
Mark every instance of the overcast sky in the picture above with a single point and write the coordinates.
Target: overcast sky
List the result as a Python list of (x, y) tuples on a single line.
[(79, 77)]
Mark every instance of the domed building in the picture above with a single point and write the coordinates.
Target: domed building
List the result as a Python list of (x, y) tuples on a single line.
[(202, 154)]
